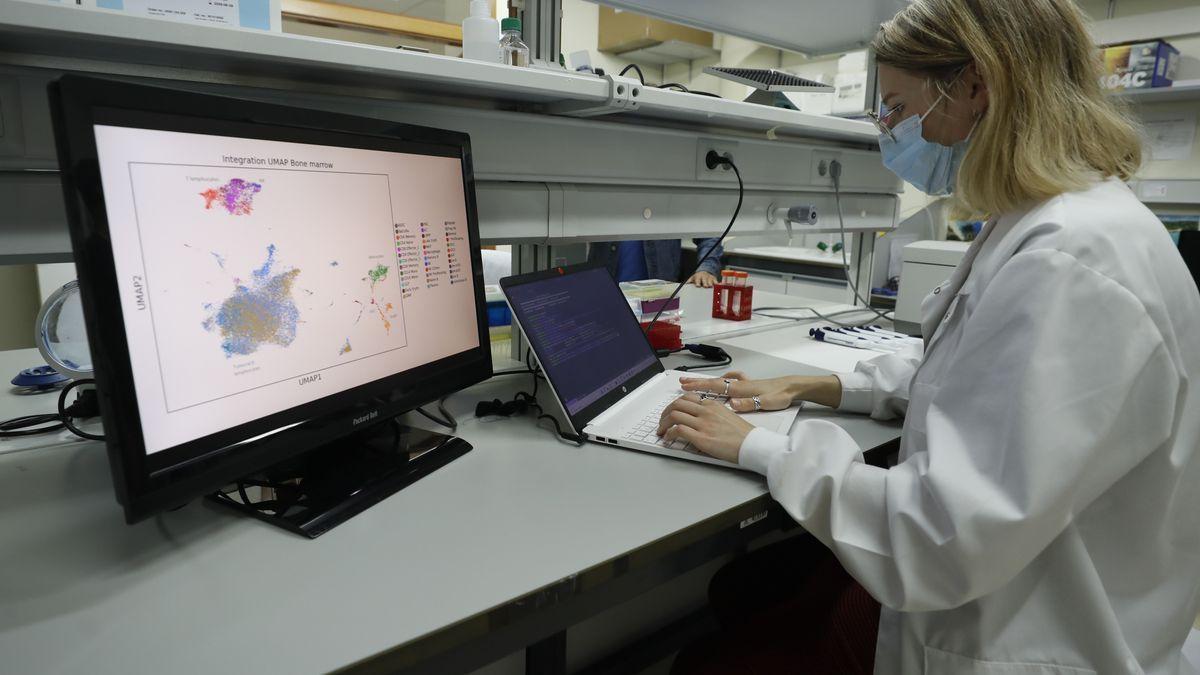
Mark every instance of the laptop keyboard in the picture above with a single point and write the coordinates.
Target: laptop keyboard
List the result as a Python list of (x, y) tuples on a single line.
[(646, 430)]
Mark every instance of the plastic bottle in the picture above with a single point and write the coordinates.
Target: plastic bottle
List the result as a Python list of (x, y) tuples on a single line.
[(513, 51), (481, 34)]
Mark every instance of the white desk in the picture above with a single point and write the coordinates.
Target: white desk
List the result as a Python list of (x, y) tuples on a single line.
[(795, 254), (698, 323), (520, 530)]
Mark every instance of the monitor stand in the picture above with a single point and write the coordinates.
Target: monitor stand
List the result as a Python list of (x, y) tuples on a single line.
[(319, 490)]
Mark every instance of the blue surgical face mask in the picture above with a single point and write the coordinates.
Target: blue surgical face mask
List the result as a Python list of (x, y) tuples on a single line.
[(930, 167)]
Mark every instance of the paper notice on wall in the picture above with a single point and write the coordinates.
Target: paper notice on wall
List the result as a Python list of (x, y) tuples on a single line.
[(258, 14), (1169, 136)]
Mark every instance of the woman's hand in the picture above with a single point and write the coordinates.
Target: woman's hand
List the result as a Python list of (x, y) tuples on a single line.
[(773, 394), (707, 424)]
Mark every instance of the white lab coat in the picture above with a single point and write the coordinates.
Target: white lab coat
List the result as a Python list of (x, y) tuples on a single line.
[(1045, 513)]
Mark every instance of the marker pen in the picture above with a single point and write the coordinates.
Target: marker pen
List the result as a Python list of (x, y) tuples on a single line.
[(877, 337), (841, 339), (880, 342)]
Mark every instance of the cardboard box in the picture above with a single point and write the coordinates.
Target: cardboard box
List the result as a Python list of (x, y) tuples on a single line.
[(1139, 66), (621, 32)]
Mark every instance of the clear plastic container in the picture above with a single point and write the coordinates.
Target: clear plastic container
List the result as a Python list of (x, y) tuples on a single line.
[(513, 51), (481, 34)]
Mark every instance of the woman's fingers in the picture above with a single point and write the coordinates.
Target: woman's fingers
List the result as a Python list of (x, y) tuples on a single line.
[(711, 385), (688, 405), (676, 418), (724, 386), (766, 401), (715, 385), (681, 431)]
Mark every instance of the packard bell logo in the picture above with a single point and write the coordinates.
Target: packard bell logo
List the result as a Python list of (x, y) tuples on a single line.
[(366, 418)]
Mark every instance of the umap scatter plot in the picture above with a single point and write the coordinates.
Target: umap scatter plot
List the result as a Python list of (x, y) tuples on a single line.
[(261, 312), (236, 196), (383, 309)]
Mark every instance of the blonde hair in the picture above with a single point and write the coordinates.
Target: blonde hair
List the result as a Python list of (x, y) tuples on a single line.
[(1049, 128)]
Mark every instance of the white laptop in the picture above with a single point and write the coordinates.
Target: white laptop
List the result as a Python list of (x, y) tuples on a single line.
[(599, 363)]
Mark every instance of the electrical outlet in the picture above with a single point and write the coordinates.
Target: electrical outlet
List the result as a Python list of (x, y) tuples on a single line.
[(725, 149), (821, 159)]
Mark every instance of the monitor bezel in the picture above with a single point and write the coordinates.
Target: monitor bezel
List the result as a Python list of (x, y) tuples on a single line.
[(581, 419), (146, 484)]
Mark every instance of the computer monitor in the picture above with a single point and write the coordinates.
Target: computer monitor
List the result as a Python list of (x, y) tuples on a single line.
[(261, 284)]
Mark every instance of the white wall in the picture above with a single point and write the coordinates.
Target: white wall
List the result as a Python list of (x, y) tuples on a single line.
[(581, 32), (18, 308), (737, 52)]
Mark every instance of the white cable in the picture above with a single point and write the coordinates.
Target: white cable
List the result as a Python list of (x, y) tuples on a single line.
[(835, 171)]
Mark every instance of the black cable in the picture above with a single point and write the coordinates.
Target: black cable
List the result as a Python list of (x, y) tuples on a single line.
[(713, 160), (85, 406), (523, 401), (76, 409), (447, 420), (633, 66), (706, 366), (20, 426), (674, 85), (762, 311)]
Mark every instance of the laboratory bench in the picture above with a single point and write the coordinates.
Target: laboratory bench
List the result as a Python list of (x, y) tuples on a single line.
[(504, 548), (800, 272)]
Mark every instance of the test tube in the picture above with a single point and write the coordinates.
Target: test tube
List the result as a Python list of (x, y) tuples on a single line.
[(726, 282), (737, 293)]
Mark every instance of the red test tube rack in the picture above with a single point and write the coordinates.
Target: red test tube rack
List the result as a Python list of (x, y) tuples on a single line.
[(733, 297)]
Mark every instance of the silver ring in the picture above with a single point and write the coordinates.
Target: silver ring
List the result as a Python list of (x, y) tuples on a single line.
[(728, 384), (757, 404)]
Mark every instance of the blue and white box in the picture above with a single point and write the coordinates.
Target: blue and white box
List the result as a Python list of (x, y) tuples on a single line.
[(253, 14)]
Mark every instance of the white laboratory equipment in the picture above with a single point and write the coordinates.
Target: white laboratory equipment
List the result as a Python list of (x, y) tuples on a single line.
[(926, 265)]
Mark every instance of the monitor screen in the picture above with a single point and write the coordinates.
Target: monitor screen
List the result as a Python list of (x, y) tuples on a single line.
[(258, 275), (583, 332)]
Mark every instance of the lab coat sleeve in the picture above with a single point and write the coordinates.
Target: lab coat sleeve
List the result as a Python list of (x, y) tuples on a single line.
[(713, 264), (1061, 387), (879, 387)]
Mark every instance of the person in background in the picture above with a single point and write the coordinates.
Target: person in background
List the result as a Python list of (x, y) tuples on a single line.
[(656, 259)]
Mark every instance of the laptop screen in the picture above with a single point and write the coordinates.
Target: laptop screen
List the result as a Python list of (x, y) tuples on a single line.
[(583, 332)]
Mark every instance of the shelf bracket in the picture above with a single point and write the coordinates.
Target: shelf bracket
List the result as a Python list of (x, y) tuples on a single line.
[(624, 95)]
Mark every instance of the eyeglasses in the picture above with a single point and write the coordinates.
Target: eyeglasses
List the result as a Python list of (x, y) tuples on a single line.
[(884, 122)]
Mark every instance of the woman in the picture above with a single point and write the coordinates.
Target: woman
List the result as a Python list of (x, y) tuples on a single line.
[(1043, 515)]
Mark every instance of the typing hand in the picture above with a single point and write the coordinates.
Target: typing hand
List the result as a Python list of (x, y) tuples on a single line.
[(774, 394), (708, 425)]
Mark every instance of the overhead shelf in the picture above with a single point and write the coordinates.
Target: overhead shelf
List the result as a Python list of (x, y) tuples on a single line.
[(1167, 191), (1189, 91), (88, 39), (810, 27), (670, 51)]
